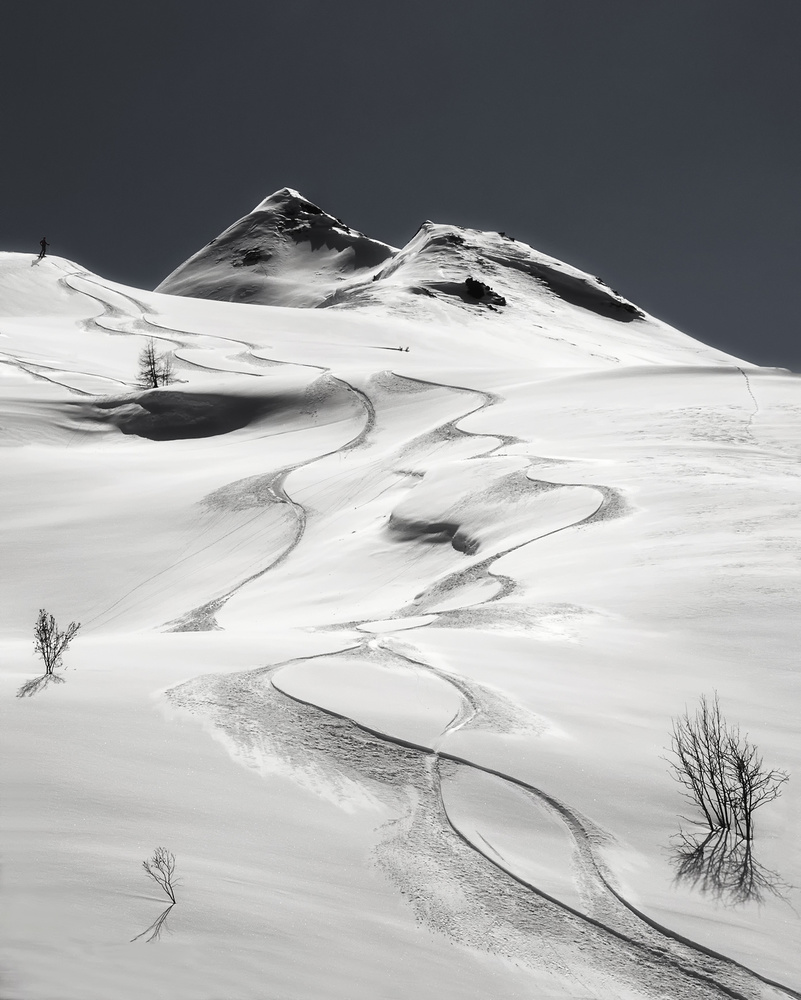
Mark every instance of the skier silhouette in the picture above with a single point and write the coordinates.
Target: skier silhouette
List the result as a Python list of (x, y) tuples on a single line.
[(44, 245)]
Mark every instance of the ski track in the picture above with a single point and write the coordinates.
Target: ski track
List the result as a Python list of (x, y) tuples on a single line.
[(687, 957), (755, 411), (35, 372), (668, 948), (202, 617)]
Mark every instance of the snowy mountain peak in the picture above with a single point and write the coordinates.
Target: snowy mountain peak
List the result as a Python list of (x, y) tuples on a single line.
[(287, 251), (469, 268), (288, 199)]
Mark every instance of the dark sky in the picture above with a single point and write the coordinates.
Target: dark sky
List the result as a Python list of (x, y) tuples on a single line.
[(656, 143)]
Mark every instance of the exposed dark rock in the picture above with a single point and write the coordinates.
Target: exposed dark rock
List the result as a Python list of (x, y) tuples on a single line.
[(483, 293)]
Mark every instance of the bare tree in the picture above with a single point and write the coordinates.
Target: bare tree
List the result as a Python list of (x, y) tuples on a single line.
[(161, 868), (721, 771), (155, 369), (50, 642)]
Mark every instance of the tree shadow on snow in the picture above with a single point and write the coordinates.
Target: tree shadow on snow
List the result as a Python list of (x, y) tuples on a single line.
[(155, 929), (33, 687), (723, 867)]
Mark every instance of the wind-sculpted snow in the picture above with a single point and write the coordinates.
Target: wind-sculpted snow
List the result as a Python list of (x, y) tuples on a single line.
[(436, 606), (572, 286), (485, 504), (175, 414)]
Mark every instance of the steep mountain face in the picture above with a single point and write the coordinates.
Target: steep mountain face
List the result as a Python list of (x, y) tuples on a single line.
[(449, 262), (287, 251), (388, 601)]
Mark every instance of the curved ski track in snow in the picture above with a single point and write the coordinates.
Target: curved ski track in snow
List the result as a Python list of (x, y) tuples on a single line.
[(36, 372), (202, 617), (647, 941), (665, 948)]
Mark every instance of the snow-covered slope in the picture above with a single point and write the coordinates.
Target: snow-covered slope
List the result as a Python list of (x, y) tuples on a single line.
[(434, 566)]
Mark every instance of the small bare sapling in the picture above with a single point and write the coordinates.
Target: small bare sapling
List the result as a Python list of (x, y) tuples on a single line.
[(50, 642), (161, 868)]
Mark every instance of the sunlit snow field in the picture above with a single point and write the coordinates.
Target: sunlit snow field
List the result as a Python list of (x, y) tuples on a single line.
[(385, 644)]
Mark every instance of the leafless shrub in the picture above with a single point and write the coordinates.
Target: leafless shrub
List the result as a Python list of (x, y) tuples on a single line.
[(155, 369), (161, 868), (50, 642), (721, 771)]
